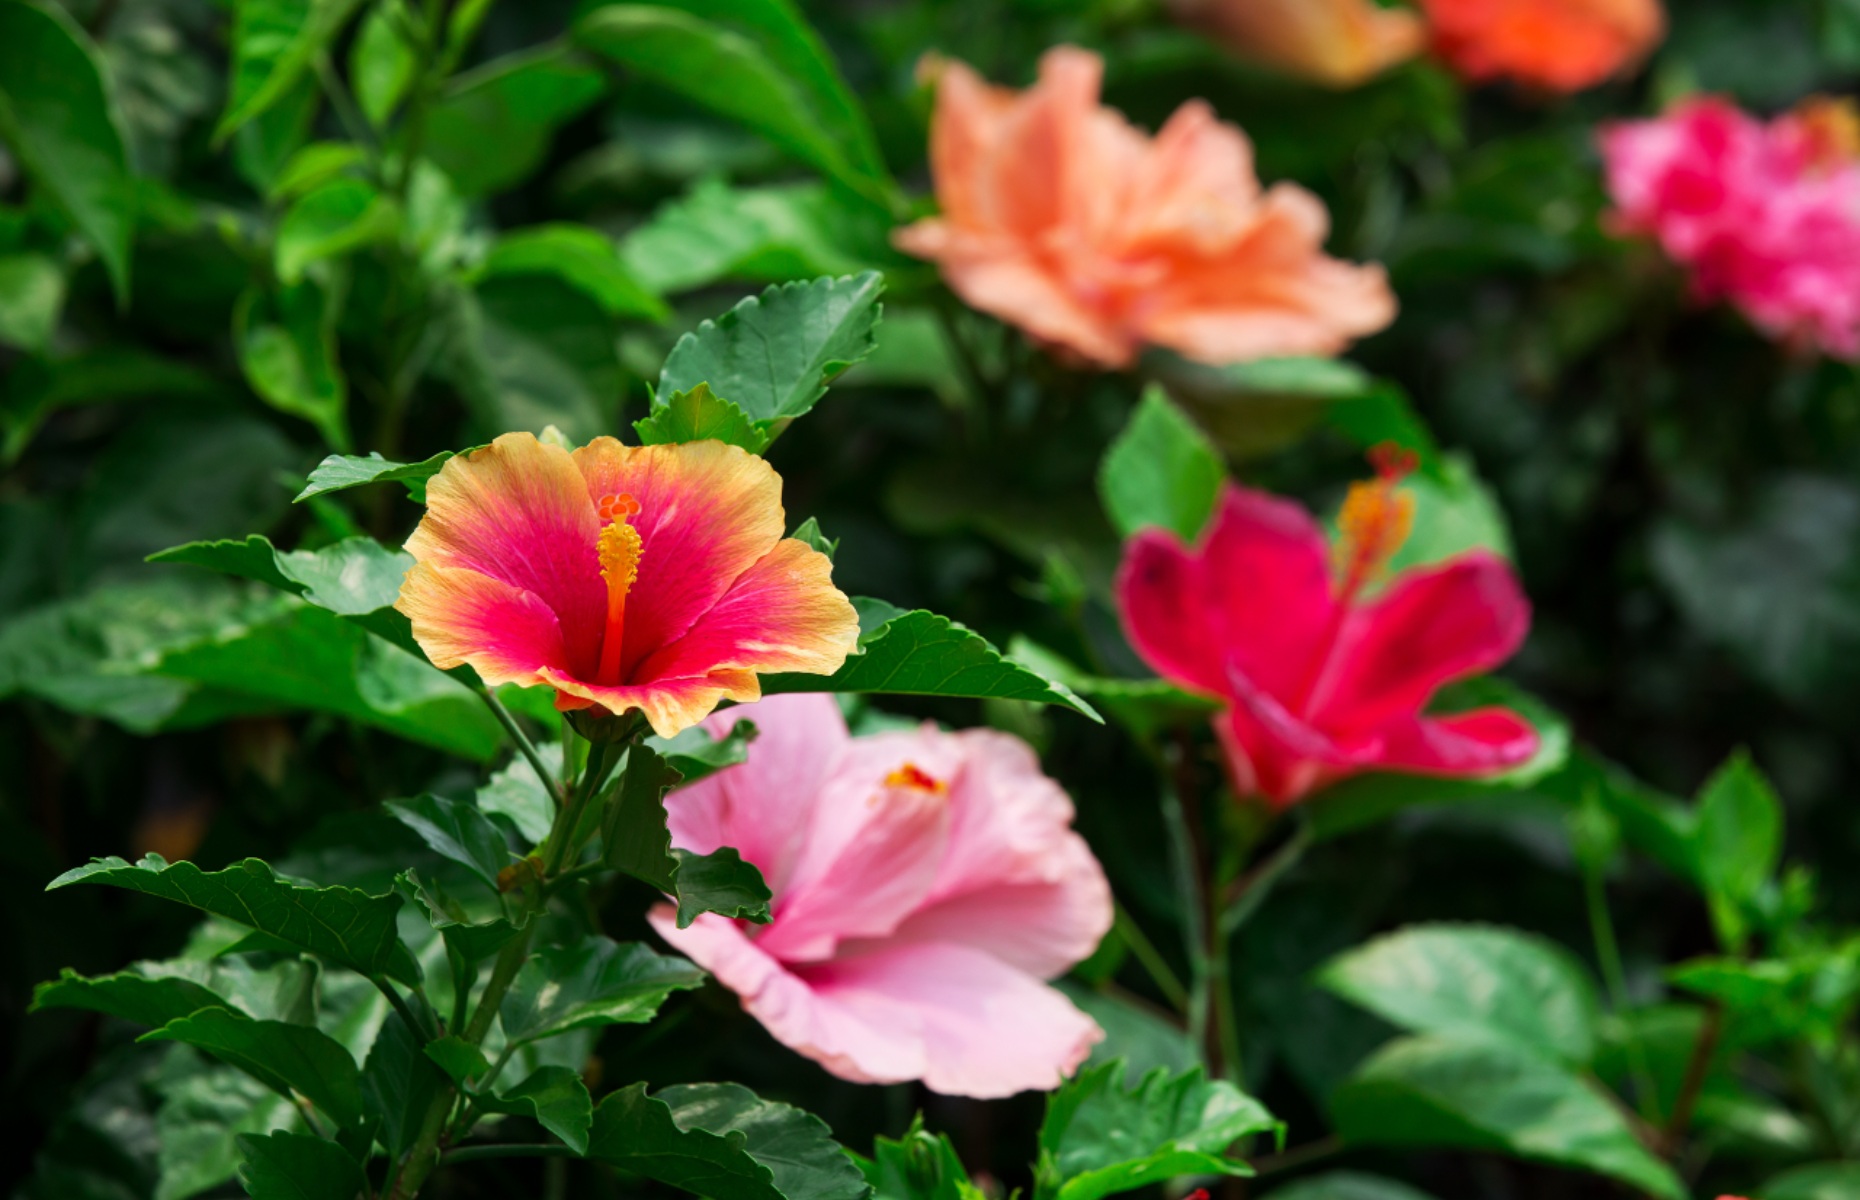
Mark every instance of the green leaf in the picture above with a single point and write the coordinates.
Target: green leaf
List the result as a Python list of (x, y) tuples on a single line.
[(1161, 472), (399, 1084), (357, 577), (287, 349), (493, 126), (264, 146), (1143, 705), (530, 351), (595, 982), (1474, 981), (584, 258), (553, 1097), (1346, 1185), (331, 220), (1454, 511), (57, 115), (809, 531), (696, 416), (1488, 1095), (456, 831), (1099, 1139), (919, 1166), (457, 1057), (773, 355), (719, 882), (298, 1166), (1822, 1181), (723, 1142), (634, 834), (471, 941), (518, 794), (274, 45), (130, 995), (761, 234), (1134, 1034), (695, 754), (340, 471), (918, 653), (344, 925), (382, 66), (32, 295), (205, 1106), (729, 74), (1739, 840), (315, 164), (282, 1056)]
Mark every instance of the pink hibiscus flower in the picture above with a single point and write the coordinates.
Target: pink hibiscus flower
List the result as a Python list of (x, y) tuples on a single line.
[(1061, 218), (1765, 214), (649, 578), (1321, 682), (925, 884)]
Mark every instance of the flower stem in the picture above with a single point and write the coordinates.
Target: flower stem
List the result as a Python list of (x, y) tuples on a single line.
[(1697, 1067), (562, 838), (524, 745), (1146, 953), (1184, 864), (1614, 978)]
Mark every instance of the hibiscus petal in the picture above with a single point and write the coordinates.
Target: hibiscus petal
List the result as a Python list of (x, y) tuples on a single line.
[(671, 706), (1255, 593), (987, 1029), (1475, 742), (459, 616), (840, 1035), (707, 512), (517, 511), (780, 614), (1274, 754), (762, 807), (1433, 626)]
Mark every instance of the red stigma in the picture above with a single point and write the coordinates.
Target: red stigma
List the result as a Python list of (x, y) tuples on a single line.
[(1392, 462), (618, 507)]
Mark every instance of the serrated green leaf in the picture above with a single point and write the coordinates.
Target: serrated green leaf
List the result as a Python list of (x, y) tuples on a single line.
[(274, 44), (695, 754), (1474, 981), (287, 350), (1488, 1095), (344, 925), (634, 834), (918, 653), (696, 416), (399, 1084), (773, 355), (57, 116), (340, 471), (1161, 471), (723, 1142), (130, 995), (282, 1056), (584, 258), (553, 1097), (719, 882), (919, 1166), (595, 982), (457, 831), (298, 1166), (1099, 1139), (457, 1057), (471, 941)]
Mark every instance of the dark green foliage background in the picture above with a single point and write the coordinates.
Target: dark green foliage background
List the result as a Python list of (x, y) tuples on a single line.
[(1683, 499)]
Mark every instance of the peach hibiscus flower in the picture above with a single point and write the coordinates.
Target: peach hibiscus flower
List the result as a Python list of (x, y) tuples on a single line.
[(925, 885), (1562, 45), (1062, 218), (648, 578), (1337, 42)]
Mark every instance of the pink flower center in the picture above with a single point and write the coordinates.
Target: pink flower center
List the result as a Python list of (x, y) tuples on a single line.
[(916, 779), (620, 548)]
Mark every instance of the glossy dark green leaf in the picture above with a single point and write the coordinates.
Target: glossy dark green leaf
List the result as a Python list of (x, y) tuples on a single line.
[(719, 882), (287, 349), (584, 258), (634, 835), (1474, 981), (699, 415), (331, 220), (274, 44), (346, 926), (205, 1107), (133, 995), (553, 1097), (769, 234), (1488, 1095), (1739, 840), (695, 753), (57, 116), (471, 941), (720, 69), (457, 831), (298, 1166), (595, 982), (919, 1166), (282, 1056), (517, 792), (530, 351), (1161, 472), (398, 1084), (458, 1058), (773, 355), (1099, 1138), (1346, 1185), (493, 125), (723, 1142), (340, 471), (919, 653)]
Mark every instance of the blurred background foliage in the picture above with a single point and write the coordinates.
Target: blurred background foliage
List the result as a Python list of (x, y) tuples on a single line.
[(1682, 497)]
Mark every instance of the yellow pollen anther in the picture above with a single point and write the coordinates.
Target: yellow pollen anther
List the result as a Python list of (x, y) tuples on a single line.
[(1376, 518), (1833, 128), (620, 549), (910, 775)]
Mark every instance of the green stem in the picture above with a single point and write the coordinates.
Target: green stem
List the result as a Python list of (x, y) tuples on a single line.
[(1697, 1068), (421, 1029), (524, 746), (507, 1150), (1245, 895), (1184, 864), (353, 122), (1227, 1064), (1167, 981), (1614, 978), (562, 837)]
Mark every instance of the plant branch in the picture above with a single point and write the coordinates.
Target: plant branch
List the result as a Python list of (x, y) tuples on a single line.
[(1166, 980), (1614, 978), (524, 745), (1697, 1067)]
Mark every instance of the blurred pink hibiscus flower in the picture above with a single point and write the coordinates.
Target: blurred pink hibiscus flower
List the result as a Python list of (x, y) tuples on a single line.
[(1765, 215), (925, 885), (1320, 682), (1062, 218)]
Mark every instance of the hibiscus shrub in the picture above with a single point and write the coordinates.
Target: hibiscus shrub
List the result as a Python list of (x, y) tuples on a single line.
[(930, 601)]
